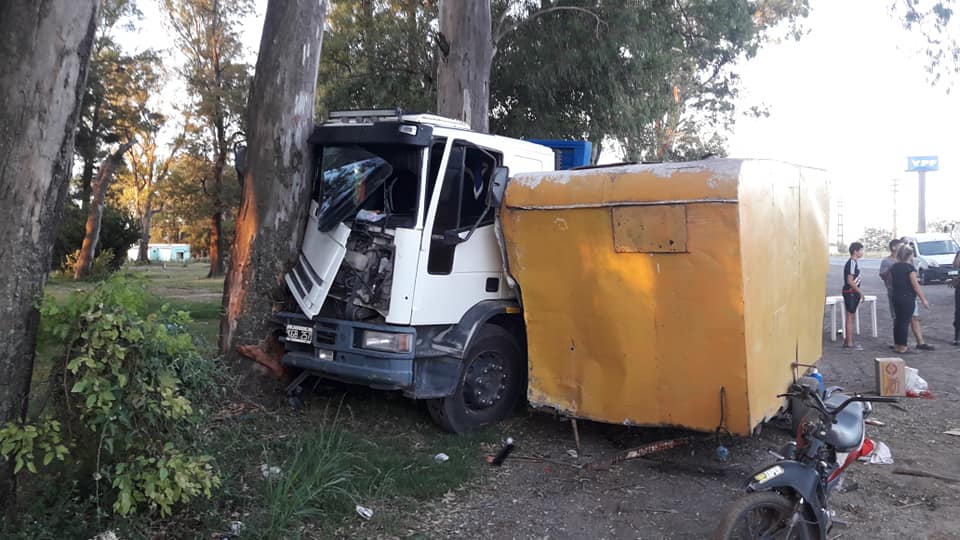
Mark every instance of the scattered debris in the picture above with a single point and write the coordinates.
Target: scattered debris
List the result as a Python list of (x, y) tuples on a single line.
[(915, 383), (364, 512), (881, 455), (874, 422), (723, 454), (106, 535), (926, 394), (441, 457), (925, 474), (498, 459), (573, 453), (269, 472), (638, 452), (955, 432)]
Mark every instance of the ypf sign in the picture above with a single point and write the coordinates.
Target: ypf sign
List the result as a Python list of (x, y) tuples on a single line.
[(922, 163)]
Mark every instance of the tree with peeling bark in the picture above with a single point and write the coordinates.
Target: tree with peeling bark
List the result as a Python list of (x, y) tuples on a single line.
[(465, 41), (45, 54), (106, 112), (216, 79), (277, 180), (149, 170), (97, 199)]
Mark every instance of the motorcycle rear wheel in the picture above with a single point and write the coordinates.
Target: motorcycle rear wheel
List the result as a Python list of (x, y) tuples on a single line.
[(766, 515)]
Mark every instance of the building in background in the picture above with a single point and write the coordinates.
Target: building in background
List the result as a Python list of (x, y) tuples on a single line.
[(163, 252)]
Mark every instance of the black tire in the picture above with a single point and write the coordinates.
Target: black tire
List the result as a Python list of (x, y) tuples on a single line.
[(924, 279), (773, 511), (491, 383)]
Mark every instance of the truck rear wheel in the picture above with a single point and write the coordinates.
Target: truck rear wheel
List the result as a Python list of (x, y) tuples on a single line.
[(490, 385)]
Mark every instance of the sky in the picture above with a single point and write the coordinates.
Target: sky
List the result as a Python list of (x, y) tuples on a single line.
[(851, 97)]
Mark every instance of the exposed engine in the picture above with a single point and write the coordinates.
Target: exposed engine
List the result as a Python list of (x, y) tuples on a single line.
[(364, 280)]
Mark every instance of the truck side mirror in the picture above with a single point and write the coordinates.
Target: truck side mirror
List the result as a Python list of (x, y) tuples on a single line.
[(240, 159), (498, 186)]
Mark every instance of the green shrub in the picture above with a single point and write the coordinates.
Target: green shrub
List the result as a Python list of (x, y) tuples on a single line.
[(103, 265), (119, 230), (122, 394)]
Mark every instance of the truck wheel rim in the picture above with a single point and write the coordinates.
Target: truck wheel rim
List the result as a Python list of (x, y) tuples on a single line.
[(485, 382)]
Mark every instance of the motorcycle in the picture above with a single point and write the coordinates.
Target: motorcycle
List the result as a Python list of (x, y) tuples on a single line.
[(789, 498)]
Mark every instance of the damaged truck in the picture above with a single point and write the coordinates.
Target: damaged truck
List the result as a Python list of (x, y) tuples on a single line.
[(462, 269)]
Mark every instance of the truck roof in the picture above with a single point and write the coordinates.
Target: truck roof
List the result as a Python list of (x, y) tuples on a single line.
[(443, 126)]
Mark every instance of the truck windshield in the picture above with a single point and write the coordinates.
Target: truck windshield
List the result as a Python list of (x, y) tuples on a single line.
[(382, 179), (937, 247)]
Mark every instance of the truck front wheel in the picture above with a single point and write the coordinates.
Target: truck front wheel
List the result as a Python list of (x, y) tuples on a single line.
[(490, 385)]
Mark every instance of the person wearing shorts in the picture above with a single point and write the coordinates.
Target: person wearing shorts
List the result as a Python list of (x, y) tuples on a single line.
[(852, 295)]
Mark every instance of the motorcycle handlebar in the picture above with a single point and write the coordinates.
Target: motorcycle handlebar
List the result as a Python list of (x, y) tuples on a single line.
[(813, 397)]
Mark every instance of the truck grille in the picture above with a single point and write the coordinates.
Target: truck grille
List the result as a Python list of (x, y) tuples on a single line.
[(325, 333)]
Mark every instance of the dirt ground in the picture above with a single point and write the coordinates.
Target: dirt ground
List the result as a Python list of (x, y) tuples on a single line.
[(541, 493)]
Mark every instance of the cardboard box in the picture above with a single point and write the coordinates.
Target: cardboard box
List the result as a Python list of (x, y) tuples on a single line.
[(891, 377)]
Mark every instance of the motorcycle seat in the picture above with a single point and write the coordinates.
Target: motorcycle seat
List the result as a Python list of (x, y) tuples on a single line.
[(847, 433)]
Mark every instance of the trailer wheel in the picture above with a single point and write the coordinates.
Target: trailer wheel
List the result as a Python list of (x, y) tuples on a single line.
[(491, 383)]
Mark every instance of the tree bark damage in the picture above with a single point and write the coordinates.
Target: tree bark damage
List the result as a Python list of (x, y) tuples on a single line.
[(44, 54), (277, 181), (465, 57)]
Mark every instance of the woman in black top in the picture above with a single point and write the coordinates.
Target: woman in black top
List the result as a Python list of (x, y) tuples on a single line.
[(906, 289)]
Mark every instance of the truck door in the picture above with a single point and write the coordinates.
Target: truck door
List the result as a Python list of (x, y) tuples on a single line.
[(458, 268)]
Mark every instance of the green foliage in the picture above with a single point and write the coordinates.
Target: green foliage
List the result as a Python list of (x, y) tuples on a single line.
[(934, 20), (104, 264), (657, 77), (317, 481), (378, 55), (26, 443), (118, 231), (129, 374)]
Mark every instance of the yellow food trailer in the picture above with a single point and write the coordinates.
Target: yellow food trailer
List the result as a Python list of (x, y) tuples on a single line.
[(647, 289)]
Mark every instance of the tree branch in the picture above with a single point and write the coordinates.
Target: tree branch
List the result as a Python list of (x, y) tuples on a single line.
[(502, 31)]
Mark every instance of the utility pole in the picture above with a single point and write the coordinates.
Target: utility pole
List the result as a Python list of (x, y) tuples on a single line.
[(840, 242), (895, 190)]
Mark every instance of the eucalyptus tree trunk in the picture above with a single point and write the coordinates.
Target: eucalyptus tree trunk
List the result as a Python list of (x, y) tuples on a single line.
[(276, 183), (91, 235), (466, 54), (44, 54)]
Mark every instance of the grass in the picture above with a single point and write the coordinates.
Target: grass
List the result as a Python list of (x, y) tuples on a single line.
[(377, 450)]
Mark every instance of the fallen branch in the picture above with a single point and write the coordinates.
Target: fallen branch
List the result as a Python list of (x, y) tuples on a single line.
[(925, 474)]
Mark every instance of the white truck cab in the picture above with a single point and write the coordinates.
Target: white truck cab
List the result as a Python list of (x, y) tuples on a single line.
[(400, 281), (934, 253)]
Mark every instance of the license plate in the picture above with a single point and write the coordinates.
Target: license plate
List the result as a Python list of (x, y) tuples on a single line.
[(299, 334)]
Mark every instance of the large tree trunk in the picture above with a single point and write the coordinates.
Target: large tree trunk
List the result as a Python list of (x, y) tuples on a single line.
[(89, 155), (95, 217), (276, 186), (44, 53), (216, 244), (145, 222), (466, 53)]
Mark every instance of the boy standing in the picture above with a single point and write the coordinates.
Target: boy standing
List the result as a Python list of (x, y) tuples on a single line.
[(852, 295)]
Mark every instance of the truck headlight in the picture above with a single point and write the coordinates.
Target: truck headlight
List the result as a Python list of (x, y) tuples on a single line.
[(387, 341)]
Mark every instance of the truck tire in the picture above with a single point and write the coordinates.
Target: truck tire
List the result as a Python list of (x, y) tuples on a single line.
[(924, 279), (490, 386)]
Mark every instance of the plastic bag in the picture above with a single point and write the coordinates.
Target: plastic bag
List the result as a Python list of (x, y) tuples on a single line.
[(915, 382)]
